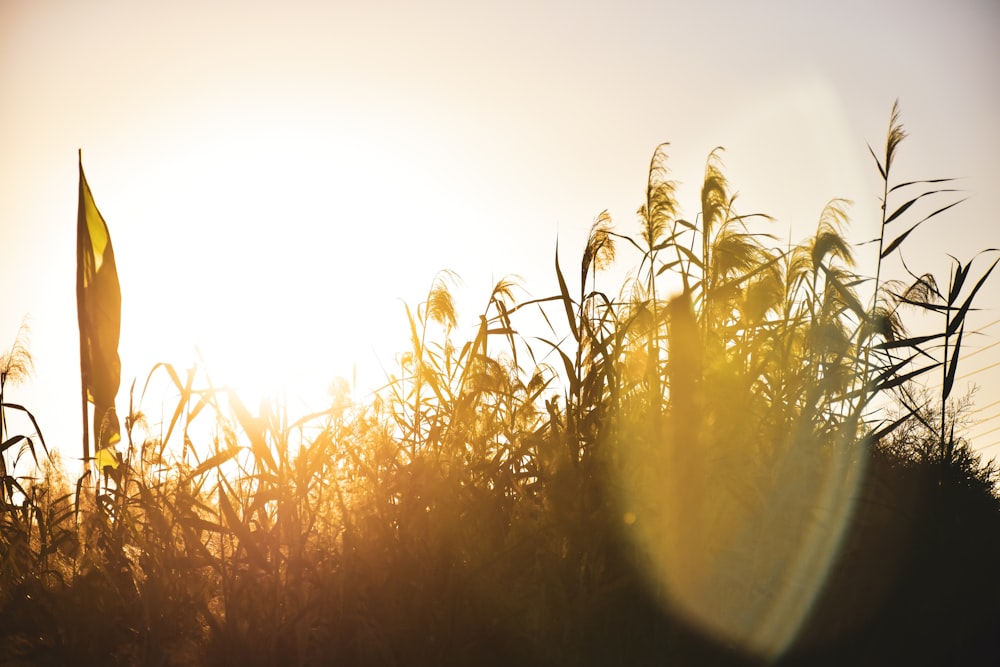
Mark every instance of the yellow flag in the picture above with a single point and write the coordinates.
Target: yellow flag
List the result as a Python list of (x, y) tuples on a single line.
[(98, 297)]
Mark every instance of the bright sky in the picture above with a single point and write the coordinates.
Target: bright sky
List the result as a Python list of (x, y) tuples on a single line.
[(278, 178)]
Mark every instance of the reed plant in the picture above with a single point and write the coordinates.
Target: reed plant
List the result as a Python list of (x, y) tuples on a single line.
[(673, 469)]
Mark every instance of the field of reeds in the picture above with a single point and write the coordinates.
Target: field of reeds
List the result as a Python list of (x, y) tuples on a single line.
[(742, 454)]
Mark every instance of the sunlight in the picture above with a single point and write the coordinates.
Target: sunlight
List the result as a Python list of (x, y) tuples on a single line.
[(720, 450), (268, 287)]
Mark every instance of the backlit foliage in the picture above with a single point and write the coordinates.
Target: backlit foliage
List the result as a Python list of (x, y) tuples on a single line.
[(693, 468)]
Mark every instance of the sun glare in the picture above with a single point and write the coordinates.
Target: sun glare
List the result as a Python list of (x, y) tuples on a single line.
[(253, 270)]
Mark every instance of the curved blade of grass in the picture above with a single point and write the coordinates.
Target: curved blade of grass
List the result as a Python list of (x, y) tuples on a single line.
[(184, 388), (899, 239), (574, 382), (949, 379), (878, 163), (912, 341), (79, 491), (10, 483), (964, 310), (900, 379), (888, 250), (213, 462), (263, 497), (958, 281), (152, 507), (906, 206), (246, 538), (886, 430), (34, 423), (258, 443), (690, 255), (566, 300), (7, 444), (928, 181)]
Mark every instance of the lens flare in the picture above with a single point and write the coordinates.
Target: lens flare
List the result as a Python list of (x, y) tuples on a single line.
[(740, 514)]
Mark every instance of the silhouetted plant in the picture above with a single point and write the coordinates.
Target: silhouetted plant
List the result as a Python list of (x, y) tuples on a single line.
[(16, 366), (667, 460)]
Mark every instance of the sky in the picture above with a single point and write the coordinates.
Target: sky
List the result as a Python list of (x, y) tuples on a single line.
[(280, 178)]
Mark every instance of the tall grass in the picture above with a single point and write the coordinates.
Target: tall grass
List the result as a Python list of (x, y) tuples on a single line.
[(668, 471)]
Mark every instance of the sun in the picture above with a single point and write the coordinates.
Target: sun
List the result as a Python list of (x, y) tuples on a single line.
[(275, 249), (275, 252)]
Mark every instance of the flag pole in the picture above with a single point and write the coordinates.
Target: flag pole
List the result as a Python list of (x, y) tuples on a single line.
[(80, 310)]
